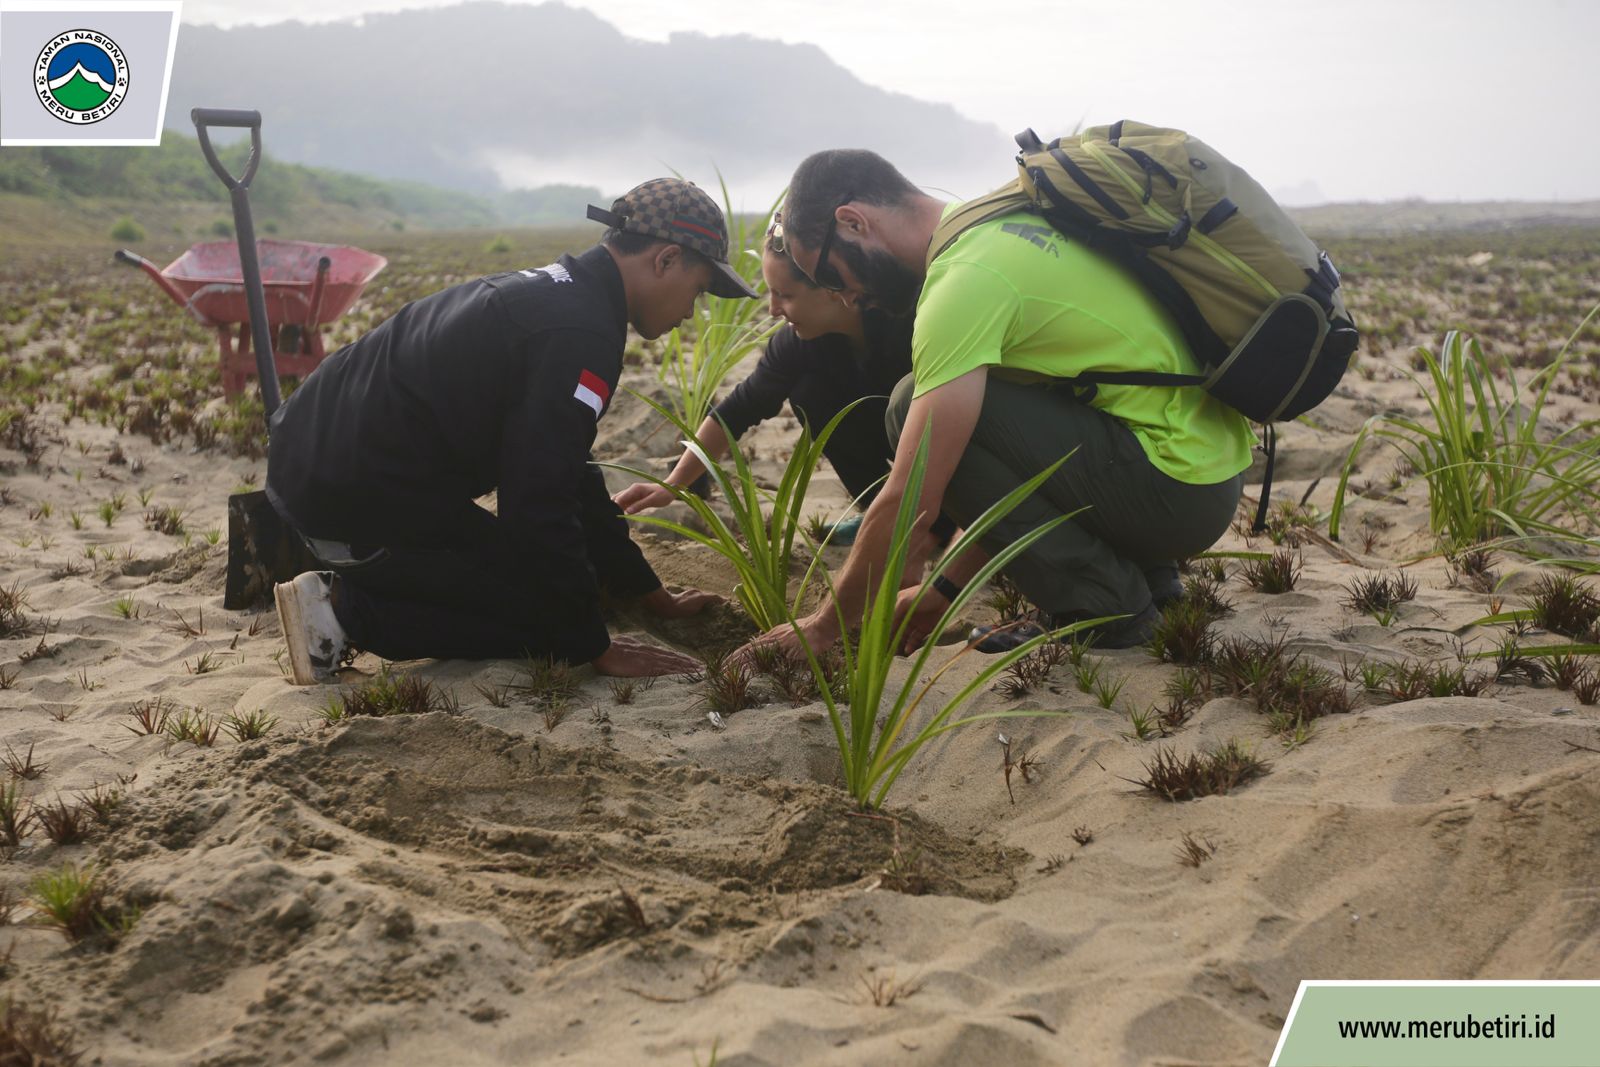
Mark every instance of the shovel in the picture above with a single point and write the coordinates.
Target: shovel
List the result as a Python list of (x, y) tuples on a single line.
[(262, 549)]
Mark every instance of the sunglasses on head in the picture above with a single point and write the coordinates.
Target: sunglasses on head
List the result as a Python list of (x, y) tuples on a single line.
[(775, 233), (825, 274)]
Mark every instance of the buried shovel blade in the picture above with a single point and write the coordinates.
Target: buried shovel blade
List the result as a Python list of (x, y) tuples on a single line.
[(262, 551)]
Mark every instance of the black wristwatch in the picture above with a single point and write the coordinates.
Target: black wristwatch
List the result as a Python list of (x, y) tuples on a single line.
[(946, 588)]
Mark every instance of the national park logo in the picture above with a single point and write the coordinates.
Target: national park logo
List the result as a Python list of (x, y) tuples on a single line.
[(81, 76)]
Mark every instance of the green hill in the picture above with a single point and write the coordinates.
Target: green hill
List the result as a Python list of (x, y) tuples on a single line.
[(49, 194)]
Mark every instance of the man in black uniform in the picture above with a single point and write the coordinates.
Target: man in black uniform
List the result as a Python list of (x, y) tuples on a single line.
[(496, 384)]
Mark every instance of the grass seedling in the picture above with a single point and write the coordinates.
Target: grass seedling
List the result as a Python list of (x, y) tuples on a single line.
[(76, 902), (61, 823), (727, 685), (388, 694), (108, 513), (76, 520), (873, 753), (249, 727), (196, 727), (205, 664), (84, 683), (15, 814), (1086, 672), (1473, 568), (8, 679), (498, 696), (1182, 633), (1380, 595), (1210, 773), (1415, 681), (101, 803), (1031, 671), (1204, 587), (1276, 574), (1146, 724), (1193, 851), (1008, 602), (1106, 691), (1083, 836), (1586, 686), (185, 628), (35, 1037), (883, 991), (149, 717), (165, 520), (760, 543), (1511, 667), (13, 605), (554, 715), (1564, 605), (1489, 470), (213, 535), (23, 768), (622, 690), (1565, 669), (548, 682), (144, 497)]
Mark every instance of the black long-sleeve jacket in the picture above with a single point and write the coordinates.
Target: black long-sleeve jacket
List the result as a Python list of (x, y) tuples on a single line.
[(497, 383)]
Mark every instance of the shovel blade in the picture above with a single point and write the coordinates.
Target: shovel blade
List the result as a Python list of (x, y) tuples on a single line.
[(262, 551)]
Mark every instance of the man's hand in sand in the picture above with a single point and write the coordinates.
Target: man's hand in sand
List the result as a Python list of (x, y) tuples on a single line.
[(629, 657), (643, 496), (820, 632), (668, 605)]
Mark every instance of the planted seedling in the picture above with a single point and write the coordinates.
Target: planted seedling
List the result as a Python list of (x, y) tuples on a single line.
[(22, 767), (1146, 724), (1473, 568), (101, 803), (1276, 574), (35, 1037), (498, 696), (727, 685), (1182, 633), (622, 690), (1193, 851), (1415, 680), (149, 716), (1586, 686), (249, 727), (388, 694), (63, 824), (13, 603), (77, 902), (1512, 667), (1562, 604), (1210, 773), (15, 814), (547, 681), (195, 726), (883, 991), (1106, 691), (1380, 595)]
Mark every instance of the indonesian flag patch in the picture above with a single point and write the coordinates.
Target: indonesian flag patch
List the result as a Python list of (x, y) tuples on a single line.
[(592, 391)]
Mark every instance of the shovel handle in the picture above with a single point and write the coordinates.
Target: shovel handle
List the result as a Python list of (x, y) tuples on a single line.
[(221, 116)]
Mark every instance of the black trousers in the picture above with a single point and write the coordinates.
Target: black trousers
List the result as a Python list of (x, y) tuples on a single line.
[(458, 599)]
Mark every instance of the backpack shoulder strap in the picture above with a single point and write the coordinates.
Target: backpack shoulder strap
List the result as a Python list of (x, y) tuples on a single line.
[(1007, 199)]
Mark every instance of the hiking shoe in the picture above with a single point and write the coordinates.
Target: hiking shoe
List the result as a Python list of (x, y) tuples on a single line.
[(844, 531), (1165, 586), (1122, 633), (316, 641)]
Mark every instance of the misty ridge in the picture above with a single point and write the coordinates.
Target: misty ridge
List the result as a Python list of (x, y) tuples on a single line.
[(485, 97)]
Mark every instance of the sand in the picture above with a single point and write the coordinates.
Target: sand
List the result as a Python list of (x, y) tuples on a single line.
[(635, 885)]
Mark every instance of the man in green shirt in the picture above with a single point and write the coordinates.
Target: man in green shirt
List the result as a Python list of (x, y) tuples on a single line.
[(1006, 316)]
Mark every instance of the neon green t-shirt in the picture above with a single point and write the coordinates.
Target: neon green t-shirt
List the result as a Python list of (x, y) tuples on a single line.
[(1015, 294)]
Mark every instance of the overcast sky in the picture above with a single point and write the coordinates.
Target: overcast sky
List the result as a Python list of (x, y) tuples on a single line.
[(1341, 100)]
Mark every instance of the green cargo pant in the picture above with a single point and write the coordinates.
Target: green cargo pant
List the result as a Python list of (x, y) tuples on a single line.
[(1138, 522)]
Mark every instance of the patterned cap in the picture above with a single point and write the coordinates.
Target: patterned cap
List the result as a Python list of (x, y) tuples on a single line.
[(678, 211)]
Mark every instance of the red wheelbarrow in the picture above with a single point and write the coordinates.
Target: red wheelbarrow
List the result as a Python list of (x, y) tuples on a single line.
[(307, 286)]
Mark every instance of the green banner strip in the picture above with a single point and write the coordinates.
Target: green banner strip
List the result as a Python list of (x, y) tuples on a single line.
[(1443, 1024)]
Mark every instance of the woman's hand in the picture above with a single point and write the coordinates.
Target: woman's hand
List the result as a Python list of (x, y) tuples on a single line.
[(668, 605), (643, 496)]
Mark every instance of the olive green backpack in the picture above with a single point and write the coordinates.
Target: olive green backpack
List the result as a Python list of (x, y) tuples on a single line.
[(1257, 300)]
